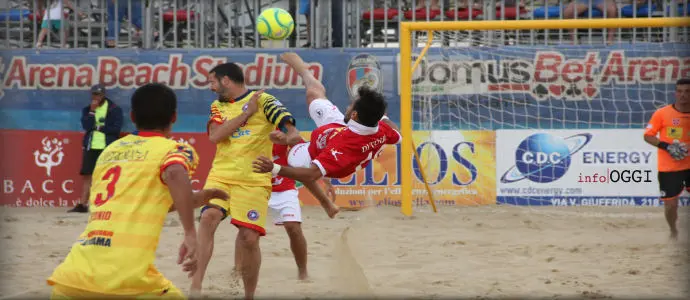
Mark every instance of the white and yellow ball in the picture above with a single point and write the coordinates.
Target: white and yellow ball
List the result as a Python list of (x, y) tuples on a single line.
[(275, 24)]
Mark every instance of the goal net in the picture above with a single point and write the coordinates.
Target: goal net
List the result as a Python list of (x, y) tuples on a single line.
[(527, 117)]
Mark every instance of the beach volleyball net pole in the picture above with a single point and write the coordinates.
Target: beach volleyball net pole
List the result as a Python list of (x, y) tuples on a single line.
[(461, 77)]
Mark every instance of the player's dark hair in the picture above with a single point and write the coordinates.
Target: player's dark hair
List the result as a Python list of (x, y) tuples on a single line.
[(683, 81), (153, 106), (370, 106), (230, 70)]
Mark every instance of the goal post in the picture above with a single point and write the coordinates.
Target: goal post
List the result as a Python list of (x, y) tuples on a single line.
[(406, 63)]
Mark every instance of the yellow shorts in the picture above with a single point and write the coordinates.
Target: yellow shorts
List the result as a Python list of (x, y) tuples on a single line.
[(61, 292), (247, 207)]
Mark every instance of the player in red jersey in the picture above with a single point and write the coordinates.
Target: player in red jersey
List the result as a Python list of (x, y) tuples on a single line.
[(285, 207), (341, 144)]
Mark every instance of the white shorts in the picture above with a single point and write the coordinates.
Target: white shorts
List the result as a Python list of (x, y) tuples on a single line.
[(323, 112), (285, 207), (299, 157)]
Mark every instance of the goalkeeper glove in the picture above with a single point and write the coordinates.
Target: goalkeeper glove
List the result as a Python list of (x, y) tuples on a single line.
[(677, 150)]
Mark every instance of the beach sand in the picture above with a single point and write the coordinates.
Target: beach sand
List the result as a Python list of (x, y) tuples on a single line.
[(487, 251)]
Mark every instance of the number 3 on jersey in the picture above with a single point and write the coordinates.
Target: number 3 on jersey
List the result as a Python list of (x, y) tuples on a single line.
[(112, 176)]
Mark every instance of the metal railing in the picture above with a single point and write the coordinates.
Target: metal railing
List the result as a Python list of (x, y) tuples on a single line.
[(318, 23)]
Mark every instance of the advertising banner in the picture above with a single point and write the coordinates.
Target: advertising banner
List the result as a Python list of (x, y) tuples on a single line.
[(504, 87), (44, 169), (576, 168), (458, 166)]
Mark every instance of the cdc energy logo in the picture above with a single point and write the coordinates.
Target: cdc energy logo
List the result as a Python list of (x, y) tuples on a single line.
[(544, 158)]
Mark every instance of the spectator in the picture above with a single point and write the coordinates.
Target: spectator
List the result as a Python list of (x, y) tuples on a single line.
[(336, 20), (122, 12), (102, 121), (577, 7), (434, 4), (52, 19)]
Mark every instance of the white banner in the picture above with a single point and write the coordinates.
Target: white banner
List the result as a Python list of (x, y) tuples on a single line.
[(601, 167)]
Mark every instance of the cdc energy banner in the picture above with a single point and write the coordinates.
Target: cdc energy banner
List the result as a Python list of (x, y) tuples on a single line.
[(576, 168)]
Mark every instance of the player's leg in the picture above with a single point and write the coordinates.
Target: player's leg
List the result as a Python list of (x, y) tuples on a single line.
[(211, 216), (248, 210), (575, 8), (288, 213), (671, 186), (88, 163)]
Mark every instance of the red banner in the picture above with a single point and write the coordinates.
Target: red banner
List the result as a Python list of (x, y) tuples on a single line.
[(41, 168)]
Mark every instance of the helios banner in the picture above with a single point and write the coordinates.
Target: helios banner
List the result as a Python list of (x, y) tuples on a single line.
[(459, 166), (576, 168)]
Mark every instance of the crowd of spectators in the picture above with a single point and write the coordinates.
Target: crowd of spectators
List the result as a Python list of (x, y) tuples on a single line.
[(119, 23)]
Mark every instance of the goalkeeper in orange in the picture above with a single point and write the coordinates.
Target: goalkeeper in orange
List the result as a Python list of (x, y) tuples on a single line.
[(137, 181), (672, 125)]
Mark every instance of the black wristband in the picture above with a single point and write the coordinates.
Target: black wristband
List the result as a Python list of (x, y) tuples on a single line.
[(663, 145)]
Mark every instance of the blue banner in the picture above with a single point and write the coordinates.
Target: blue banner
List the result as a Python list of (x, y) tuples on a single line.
[(455, 88)]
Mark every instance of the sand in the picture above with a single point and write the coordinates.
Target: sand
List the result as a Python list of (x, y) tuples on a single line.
[(461, 251)]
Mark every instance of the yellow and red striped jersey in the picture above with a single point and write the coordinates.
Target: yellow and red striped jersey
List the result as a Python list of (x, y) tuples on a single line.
[(128, 205), (234, 156)]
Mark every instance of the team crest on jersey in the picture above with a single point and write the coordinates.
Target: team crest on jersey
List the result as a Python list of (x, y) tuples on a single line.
[(186, 152), (364, 70), (675, 122), (323, 137), (252, 215)]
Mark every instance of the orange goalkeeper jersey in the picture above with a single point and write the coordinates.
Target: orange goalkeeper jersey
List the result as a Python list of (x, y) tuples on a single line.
[(670, 125), (128, 205), (234, 156)]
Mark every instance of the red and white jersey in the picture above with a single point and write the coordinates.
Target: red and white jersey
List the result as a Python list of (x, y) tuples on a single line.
[(346, 149), (280, 183)]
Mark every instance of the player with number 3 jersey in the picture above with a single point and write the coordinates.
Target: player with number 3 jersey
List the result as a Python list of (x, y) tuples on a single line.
[(137, 181), (342, 144)]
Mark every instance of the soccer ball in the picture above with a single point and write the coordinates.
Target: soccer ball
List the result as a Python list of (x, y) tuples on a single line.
[(275, 24)]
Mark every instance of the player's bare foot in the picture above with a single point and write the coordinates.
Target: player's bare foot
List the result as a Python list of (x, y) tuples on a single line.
[(302, 275), (332, 211), (195, 294)]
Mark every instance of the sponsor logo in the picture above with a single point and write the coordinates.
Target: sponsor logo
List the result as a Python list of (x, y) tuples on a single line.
[(50, 155), (335, 154), (363, 70), (549, 74), (544, 158), (252, 215)]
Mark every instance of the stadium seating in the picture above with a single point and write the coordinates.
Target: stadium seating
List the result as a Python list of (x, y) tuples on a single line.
[(14, 15), (184, 22)]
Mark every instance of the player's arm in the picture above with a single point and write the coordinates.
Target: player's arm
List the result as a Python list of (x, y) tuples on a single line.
[(393, 135), (280, 117), (264, 165), (219, 130), (176, 178), (652, 129)]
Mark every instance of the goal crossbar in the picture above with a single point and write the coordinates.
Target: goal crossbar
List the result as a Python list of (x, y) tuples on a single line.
[(408, 150)]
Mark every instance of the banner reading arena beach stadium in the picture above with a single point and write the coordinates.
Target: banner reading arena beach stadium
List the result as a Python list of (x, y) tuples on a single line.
[(568, 87)]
